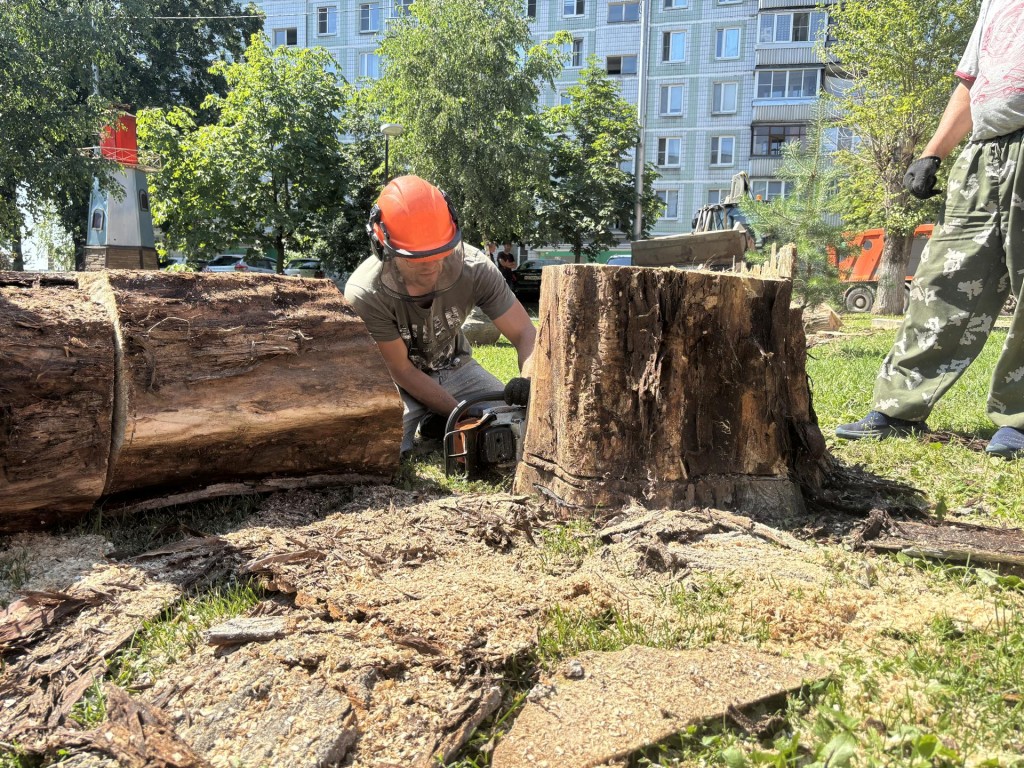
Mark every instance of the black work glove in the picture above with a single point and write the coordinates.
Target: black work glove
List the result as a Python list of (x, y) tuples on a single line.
[(432, 426), (517, 391), (920, 178)]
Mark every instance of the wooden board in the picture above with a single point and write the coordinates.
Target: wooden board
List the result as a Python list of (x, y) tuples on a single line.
[(717, 250), (620, 702)]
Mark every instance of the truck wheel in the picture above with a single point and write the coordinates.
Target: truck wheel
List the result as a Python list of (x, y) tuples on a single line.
[(859, 299)]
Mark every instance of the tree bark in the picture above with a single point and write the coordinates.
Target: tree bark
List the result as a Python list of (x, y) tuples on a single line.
[(892, 275), (683, 388), (56, 400), (140, 384)]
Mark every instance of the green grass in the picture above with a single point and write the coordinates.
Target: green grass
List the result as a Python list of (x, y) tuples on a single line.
[(161, 642), (953, 477)]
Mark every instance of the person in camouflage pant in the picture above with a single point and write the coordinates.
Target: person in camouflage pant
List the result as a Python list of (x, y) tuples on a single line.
[(975, 258)]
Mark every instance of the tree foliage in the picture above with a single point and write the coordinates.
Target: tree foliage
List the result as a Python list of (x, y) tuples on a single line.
[(47, 112), (463, 77), (588, 198), (802, 216), (269, 166), (902, 55), (50, 54)]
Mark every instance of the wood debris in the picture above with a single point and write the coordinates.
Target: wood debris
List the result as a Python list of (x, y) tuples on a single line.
[(629, 699)]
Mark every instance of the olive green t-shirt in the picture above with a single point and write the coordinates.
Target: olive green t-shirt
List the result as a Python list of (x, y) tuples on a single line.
[(433, 335)]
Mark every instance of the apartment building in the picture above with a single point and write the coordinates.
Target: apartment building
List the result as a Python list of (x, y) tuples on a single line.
[(722, 84)]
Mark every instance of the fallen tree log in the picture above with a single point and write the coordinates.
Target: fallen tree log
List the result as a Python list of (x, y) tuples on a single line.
[(688, 388), (130, 385), (56, 400)]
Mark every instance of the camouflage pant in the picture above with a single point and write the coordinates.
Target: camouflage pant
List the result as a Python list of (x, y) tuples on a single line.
[(974, 259)]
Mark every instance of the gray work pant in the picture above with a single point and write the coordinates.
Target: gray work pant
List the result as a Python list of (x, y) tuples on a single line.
[(468, 380), (973, 261)]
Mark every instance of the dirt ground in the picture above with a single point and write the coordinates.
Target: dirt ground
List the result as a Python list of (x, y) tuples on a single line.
[(391, 619)]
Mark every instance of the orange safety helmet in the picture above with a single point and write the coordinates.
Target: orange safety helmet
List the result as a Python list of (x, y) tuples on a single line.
[(413, 219)]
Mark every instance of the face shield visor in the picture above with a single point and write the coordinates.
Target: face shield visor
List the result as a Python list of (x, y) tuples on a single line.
[(419, 275)]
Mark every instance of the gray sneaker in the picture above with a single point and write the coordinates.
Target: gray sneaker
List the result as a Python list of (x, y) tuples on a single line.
[(1007, 443), (879, 426)]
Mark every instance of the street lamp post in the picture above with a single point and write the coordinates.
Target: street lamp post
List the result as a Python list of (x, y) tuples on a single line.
[(389, 130)]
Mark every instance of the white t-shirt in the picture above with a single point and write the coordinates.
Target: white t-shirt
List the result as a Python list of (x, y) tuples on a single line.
[(993, 66)]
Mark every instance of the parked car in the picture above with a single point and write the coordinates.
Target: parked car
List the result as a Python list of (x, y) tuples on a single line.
[(620, 261), (528, 276), (304, 268), (233, 262)]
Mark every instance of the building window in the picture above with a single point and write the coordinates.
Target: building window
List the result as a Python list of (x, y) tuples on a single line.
[(716, 196), (143, 200), (326, 20), (621, 65), (673, 46), (620, 12), (627, 165), (769, 139), (400, 8), (670, 197), (564, 99), (673, 4), (531, 9), (369, 17), (722, 150), (671, 100), (770, 189), (369, 65), (574, 52), (727, 43), (787, 83), (669, 151), (289, 36), (729, 2), (785, 28), (97, 219), (574, 7), (723, 98)]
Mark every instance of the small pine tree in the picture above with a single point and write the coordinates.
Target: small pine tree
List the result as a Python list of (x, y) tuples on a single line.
[(803, 217)]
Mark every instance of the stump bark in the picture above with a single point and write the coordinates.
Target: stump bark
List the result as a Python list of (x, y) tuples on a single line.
[(138, 384), (671, 387)]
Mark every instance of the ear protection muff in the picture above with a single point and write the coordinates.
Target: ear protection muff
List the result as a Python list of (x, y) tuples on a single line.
[(380, 241)]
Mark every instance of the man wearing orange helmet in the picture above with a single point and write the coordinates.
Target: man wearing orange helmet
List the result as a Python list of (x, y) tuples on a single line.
[(415, 292)]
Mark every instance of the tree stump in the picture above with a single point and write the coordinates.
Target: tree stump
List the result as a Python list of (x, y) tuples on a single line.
[(56, 400), (131, 385), (671, 387)]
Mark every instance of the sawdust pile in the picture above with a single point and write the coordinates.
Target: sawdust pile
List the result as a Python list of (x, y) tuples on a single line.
[(396, 617)]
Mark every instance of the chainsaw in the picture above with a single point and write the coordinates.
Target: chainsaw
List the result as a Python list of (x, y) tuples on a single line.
[(491, 438)]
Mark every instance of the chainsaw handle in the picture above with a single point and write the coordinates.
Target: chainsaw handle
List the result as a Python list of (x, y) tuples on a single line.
[(465, 405)]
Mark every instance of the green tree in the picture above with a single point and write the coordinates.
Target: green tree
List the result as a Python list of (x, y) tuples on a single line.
[(168, 49), (463, 77), (338, 237), (47, 51), (145, 53), (802, 216), (588, 198), (901, 56), (269, 166)]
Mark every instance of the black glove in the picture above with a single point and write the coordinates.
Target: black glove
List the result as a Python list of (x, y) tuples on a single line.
[(920, 178), (517, 391), (432, 426)]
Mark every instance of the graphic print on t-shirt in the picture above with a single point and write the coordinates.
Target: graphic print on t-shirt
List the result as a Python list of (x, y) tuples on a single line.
[(1001, 54), (433, 349)]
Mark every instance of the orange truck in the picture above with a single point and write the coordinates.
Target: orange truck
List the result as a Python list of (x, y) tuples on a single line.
[(859, 270)]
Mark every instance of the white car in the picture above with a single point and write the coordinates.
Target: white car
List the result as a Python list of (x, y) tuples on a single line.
[(233, 262), (304, 268)]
